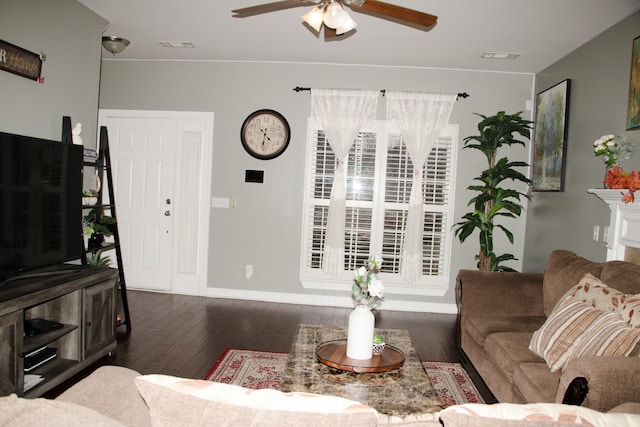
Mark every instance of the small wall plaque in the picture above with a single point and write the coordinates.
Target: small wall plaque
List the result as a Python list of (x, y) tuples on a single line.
[(19, 61)]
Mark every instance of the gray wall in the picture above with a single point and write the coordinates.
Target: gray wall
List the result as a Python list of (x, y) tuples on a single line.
[(69, 35), (265, 228), (599, 73)]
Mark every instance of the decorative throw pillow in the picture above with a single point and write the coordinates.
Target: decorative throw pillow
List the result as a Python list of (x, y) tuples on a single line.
[(630, 310), (606, 338), (595, 293), (592, 291), (563, 329), (179, 402)]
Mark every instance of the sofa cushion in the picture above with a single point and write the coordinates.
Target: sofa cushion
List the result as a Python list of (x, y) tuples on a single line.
[(621, 275), (480, 327), (19, 412), (566, 325), (508, 349), (536, 382), (563, 271), (531, 415), (627, 408), (111, 391), (179, 402)]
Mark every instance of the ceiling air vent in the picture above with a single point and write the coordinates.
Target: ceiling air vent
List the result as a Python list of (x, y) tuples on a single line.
[(177, 44), (500, 55)]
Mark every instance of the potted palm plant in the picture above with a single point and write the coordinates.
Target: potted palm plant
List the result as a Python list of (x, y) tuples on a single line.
[(492, 200)]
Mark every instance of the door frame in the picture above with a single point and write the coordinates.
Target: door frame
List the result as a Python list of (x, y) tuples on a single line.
[(197, 284)]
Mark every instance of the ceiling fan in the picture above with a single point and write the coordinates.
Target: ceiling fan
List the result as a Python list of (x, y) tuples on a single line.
[(331, 15)]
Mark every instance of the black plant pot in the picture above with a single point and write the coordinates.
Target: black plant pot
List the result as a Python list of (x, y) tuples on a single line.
[(95, 241)]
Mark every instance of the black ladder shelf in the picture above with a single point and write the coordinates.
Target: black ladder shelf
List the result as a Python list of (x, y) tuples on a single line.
[(101, 166)]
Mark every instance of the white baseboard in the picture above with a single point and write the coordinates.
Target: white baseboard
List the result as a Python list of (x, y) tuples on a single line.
[(328, 300)]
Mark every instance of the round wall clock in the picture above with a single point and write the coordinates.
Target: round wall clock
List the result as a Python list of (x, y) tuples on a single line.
[(265, 134)]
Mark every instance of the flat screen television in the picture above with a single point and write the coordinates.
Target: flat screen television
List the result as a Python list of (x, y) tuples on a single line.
[(40, 204)]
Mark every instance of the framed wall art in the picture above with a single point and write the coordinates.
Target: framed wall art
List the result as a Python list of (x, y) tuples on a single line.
[(633, 108), (550, 137)]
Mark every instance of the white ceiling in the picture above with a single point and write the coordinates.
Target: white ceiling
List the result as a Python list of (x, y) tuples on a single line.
[(542, 31)]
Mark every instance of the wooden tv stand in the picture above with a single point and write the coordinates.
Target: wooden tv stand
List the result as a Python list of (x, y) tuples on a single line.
[(80, 300)]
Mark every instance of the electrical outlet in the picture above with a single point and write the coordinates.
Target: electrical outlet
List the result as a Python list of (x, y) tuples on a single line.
[(248, 271), (596, 232)]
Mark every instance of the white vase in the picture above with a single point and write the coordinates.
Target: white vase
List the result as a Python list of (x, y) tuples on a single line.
[(360, 333)]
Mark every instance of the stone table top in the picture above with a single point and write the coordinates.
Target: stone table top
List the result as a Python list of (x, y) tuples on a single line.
[(400, 392)]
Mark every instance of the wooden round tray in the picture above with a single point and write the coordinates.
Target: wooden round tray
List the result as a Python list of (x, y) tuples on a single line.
[(334, 354)]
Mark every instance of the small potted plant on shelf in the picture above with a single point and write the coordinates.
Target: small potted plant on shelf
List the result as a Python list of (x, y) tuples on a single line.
[(378, 344), (99, 260), (89, 197), (97, 225)]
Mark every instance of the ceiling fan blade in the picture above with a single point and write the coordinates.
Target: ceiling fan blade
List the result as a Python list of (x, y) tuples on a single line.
[(271, 7), (396, 13), (329, 33)]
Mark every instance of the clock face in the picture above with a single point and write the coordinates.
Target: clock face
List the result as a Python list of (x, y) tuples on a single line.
[(265, 134)]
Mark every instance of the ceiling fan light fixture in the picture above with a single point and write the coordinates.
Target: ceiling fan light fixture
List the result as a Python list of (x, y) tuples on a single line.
[(314, 18), (349, 25), (335, 16)]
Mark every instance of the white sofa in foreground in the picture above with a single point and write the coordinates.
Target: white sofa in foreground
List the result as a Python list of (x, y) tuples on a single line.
[(117, 396)]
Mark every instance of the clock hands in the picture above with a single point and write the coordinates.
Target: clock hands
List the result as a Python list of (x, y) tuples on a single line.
[(265, 137)]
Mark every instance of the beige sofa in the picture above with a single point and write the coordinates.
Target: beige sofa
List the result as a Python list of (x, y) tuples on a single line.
[(115, 396), (499, 313)]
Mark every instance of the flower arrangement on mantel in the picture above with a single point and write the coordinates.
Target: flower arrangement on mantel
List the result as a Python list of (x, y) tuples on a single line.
[(619, 179), (612, 149), (367, 289)]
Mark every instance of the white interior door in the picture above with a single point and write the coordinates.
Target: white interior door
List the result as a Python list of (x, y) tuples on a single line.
[(162, 168)]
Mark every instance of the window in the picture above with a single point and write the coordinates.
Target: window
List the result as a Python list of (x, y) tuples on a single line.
[(379, 178)]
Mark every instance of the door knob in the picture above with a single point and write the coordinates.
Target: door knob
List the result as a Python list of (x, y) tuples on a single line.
[(167, 213)]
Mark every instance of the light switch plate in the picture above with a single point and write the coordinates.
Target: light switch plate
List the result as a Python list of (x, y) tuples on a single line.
[(220, 202)]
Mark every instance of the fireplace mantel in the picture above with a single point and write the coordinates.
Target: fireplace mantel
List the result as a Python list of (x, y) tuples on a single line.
[(624, 225)]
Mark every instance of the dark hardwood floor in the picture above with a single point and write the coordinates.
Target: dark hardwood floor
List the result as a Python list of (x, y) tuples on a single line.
[(185, 335)]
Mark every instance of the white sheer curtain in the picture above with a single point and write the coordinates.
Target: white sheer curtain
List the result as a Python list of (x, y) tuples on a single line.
[(342, 113), (420, 117)]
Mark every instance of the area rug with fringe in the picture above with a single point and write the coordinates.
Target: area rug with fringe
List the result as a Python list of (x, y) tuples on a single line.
[(262, 369)]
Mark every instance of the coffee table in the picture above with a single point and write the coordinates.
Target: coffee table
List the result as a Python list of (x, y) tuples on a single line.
[(400, 392)]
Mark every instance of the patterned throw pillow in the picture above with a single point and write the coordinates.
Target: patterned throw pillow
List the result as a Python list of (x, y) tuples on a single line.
[(564, 328), (605, 338), (598, 295)]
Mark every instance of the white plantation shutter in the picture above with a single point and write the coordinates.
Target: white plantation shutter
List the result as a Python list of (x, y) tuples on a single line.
[(436, 184), (379, 180)]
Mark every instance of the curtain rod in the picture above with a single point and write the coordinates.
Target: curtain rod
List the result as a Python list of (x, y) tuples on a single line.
[(382, 91)]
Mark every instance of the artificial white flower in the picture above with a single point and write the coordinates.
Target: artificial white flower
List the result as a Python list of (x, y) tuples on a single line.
[(367, 289), (361, 272), (376, 288), (613, 149)]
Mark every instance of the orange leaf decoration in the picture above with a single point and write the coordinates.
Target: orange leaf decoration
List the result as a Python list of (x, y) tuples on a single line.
[(617, 178)]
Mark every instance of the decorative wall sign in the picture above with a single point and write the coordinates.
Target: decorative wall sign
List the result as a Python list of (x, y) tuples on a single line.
[(550, 138), (633, 109), (19, 61)]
